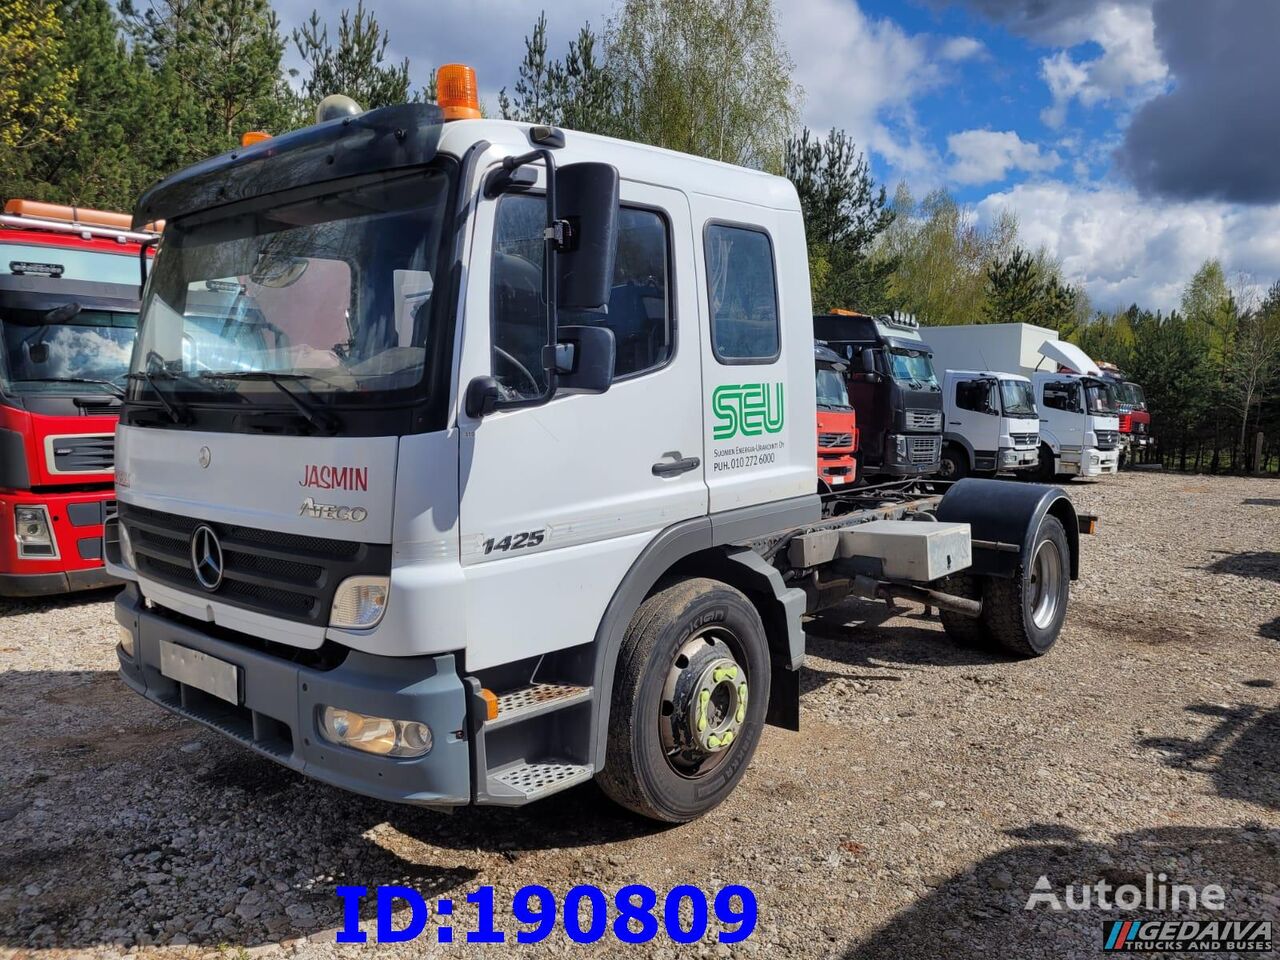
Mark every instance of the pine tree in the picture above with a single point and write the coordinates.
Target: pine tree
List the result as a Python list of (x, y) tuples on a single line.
[(357, 66)]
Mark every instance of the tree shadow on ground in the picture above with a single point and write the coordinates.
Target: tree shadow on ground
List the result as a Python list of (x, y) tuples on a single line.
[(871, 636), (178, 831), (981, 912), (1257, 564), (1240, 753)]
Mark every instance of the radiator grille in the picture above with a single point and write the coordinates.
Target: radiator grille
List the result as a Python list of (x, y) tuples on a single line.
[(924, 419), (924, 449), (1107, 439), (835, 439), (1024, 439), (280, 574), (82, 454)]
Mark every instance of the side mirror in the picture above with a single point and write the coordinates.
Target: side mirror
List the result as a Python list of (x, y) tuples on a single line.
[(586, 199), (584, 359), (868, 359)]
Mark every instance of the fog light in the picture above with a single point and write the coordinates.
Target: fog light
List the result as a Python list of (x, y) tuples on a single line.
[(125, 636), (34, 532), (380, 735), (359, 602)]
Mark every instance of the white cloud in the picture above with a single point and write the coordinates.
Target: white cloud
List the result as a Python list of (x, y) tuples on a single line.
[(985, 156), (1130, 66), (956, 49), (1125, 249), (862, 74)]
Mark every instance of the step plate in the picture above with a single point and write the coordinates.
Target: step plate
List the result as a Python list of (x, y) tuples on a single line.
[(534, 699), (536, 780)]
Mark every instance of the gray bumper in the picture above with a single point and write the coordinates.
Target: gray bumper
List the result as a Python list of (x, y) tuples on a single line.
[(276, 715)]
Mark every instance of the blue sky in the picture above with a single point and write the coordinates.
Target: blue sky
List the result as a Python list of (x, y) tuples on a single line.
[(1132, 138)]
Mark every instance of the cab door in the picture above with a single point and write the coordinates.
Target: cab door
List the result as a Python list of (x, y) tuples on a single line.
[(757, 353), (557, 501)]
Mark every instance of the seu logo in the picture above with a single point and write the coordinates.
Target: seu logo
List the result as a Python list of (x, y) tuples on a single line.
[(746, 409)]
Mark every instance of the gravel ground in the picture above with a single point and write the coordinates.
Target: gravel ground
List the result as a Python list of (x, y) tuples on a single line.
[(929, 790)]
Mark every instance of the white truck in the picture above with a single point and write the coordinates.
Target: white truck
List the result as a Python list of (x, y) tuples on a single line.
[(412, 514), (1079, 425), (990, 424)]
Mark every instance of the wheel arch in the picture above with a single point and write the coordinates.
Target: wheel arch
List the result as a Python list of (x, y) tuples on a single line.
[(705, 547), (1009, 514)]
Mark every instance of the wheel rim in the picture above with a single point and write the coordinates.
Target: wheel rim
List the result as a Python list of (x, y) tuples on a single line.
[(1046, 584), (946, 468), (704, 703)]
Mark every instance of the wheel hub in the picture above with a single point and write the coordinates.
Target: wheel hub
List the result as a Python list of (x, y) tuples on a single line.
[(704, 704)]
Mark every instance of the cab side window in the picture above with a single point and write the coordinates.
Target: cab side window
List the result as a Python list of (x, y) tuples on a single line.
[(972, 395), (1061, 396), (742, 294), (639, 311)]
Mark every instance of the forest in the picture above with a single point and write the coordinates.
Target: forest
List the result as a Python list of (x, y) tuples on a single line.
[(97, 101)]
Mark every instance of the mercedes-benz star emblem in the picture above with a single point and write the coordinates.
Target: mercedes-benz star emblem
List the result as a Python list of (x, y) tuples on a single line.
[(206, 455), (206, 558)]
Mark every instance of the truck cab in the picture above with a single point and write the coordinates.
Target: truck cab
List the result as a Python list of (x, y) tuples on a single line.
[(837, 423), (1134, 417), (893, 388), (466, 460), (991, 424), (68, 318)]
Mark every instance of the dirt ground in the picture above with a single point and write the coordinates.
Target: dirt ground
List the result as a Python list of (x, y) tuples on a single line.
[(929, 790)]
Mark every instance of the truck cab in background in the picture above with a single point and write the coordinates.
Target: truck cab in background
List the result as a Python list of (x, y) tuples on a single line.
[(68, 318), (892, 387), (837, 424), (991, 424), (1134, 418)]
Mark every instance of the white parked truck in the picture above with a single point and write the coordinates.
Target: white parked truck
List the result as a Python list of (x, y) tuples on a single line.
[(990, 424), (1079, 427), (404, 507)]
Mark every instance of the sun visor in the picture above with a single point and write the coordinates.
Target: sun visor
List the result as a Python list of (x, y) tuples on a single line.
[(392, 138)]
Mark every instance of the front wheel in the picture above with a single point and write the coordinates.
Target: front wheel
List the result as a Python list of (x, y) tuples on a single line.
[(689, 699), (953, 465), (1022, 615)]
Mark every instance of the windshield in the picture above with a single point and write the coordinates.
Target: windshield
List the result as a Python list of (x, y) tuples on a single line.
[(87, 353), (1131, 393), (336, 289), (1018, 398), (914, 367), (831, 391), (1099, 398)]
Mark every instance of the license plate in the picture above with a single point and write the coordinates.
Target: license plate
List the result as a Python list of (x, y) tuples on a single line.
[(215, 677)]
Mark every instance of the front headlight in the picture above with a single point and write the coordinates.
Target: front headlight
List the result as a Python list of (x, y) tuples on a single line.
[(126, 548), (34, 532), (359, 602), (380, 735), (900, 446)]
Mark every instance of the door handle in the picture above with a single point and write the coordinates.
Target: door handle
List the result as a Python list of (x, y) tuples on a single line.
[(672, 468)]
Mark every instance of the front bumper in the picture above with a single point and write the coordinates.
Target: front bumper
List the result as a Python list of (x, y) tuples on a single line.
[(278, 702), (1015, 458), (1096, 463), (51, 584)]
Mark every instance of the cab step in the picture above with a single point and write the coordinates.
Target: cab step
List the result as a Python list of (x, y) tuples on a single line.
[(535, 699), (534, 780)]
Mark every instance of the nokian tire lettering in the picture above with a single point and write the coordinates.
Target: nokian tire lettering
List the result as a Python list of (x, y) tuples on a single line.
[(636, 772)]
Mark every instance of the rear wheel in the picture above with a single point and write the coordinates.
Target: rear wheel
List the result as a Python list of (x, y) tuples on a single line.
[(689, 699), (954, 464), (1022, 615)]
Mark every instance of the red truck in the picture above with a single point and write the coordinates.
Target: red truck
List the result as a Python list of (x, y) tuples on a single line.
[(68, 317), (1135, 419), (837, 423)]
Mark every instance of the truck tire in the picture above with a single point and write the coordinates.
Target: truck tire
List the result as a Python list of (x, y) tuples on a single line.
[(689, 699), (1022, 615), (954, 464), (1045, 469)]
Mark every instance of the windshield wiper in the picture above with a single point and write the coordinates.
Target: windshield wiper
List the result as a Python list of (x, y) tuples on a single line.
[(313, 416), (177, 413), (115, 387)]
